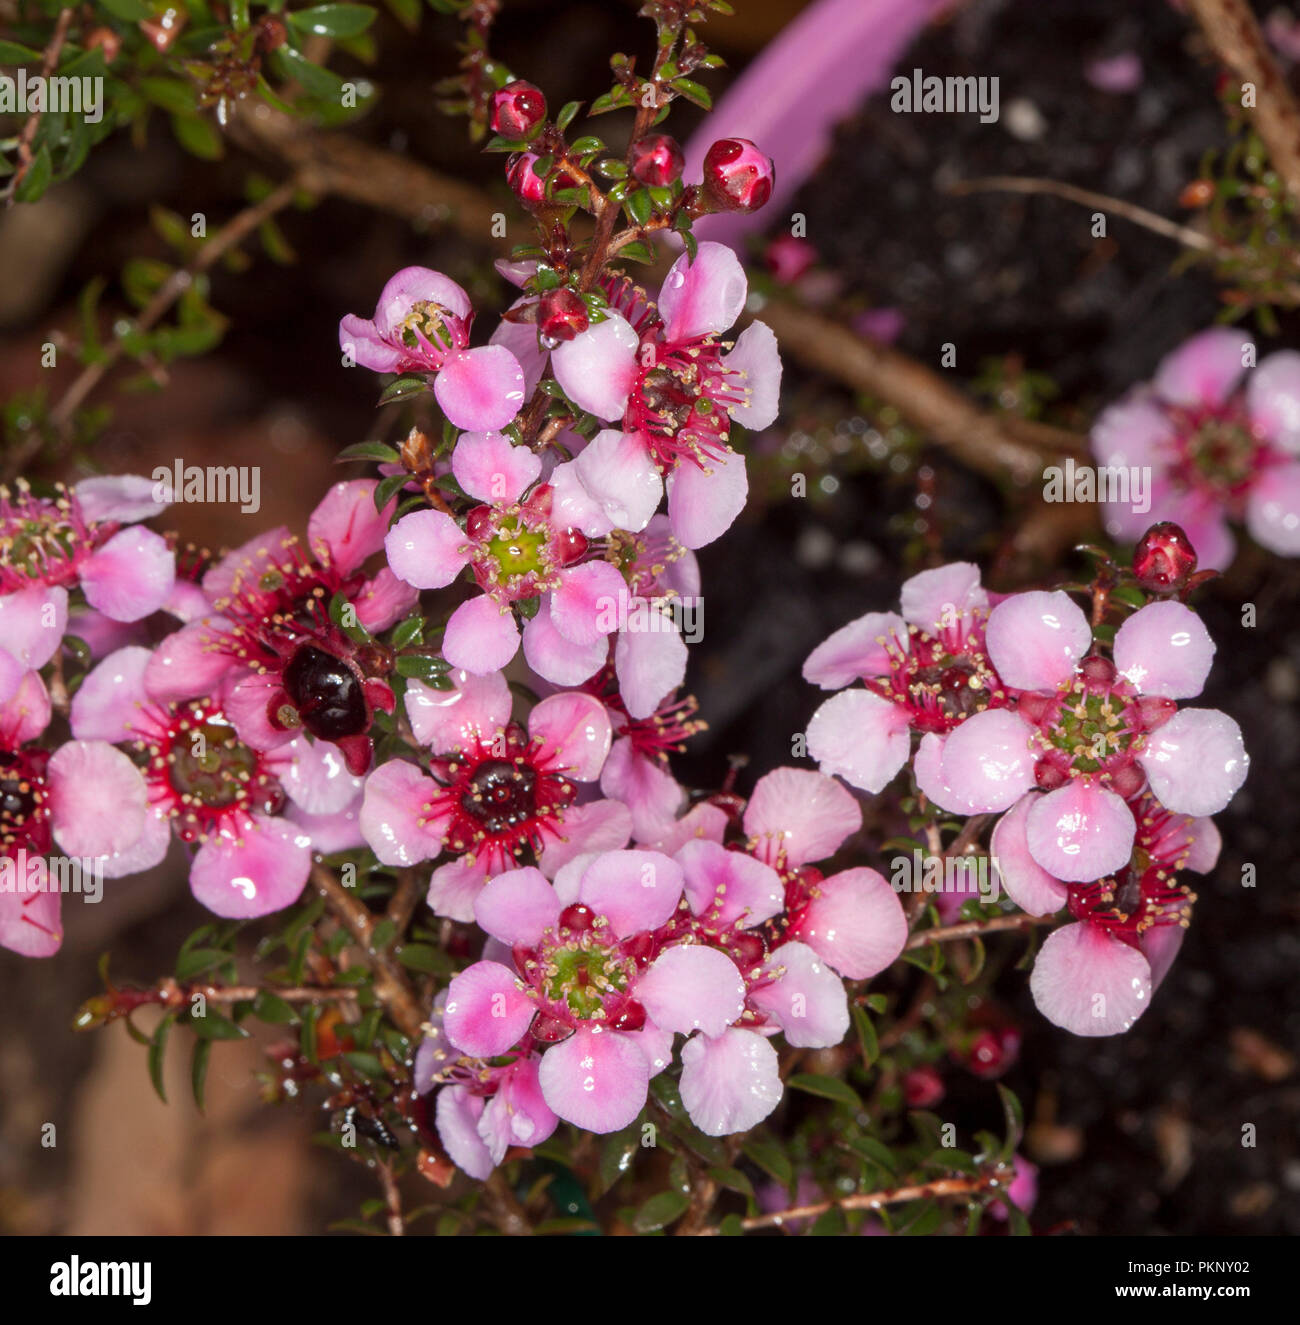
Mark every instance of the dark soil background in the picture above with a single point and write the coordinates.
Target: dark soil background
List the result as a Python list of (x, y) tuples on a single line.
[(1137, 1135)]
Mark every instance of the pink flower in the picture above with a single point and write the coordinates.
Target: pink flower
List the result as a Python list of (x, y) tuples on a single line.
[(78, 538), (85, 798), (1217, 452), (852, 919), (421, 325), (927, 670), (266, 637), (521, 551), (1096, 976), (481, 1110), (494, 791), (254, 815), (666, 377), (592, 982), (1088, 732)]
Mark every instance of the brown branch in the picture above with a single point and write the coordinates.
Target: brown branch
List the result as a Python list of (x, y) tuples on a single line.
[(941, 1188), (231, 234), (1161, 225), (393, 1199), (392, 987), (970, 929), (992, 444), (28, 136), (1230, 28)]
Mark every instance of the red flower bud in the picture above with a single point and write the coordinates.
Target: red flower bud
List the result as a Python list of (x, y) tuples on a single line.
[(561, 315), (737, 176), (1164, 559), (923, 1087), (518, 109), (529, 187), (657, 160)]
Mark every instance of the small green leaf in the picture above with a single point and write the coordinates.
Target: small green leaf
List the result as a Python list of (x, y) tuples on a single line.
[(379, 451), (409, 384), (340, 20), (829, 1088), (770, 1157), (38, 177), (199, 1070), (568, 112), (157, 1048), (195, 961), (273, 1009), (422, 666), (215, 1026), (12, 53), (660, 1211)]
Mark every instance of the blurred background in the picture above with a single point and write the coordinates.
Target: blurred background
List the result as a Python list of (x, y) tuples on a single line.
[(1138, 1134)]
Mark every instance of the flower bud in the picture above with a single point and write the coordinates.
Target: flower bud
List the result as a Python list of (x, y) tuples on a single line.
[(657, 160), (528, 187), (518, 109), (737, 176), (923, 1087), (561, 315), (1164, 559)]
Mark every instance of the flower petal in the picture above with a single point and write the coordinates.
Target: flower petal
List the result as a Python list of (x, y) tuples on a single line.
[(1036, 638), (987, 762), (1026, 882), (1080, 832), (32, 622), (692, 988), (557, 659), (596, 1079), (635, 890), (1203, 370), (1273, 510), (649, 663), (803, 815), (613, 484), (943, 599), (131, 576), (860, 736), (1164, 649), (729, 1083), (486, 1010), (264, 872), (427, 549), (1089, 983), (860, 649), (517, 906), (729, 887), (457, 1113), (704, 503), (590, 602), (395, 818), (488, 466), (97, 800), (756, 356), (480, 637), (446, 720), (597, 367), (1196, 761), (806, 999), (704, 296), (345, 529), (575, 732), (856, 923)]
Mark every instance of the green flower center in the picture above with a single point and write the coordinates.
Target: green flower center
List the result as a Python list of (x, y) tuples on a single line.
[(428, 319), (209, 764), (518, 551), (1091, 727), (582, 976)]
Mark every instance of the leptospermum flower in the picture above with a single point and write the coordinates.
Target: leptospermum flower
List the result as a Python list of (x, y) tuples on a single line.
[(494, 791), (82, 537), (1088, 732), (851, 919), (1096, 976), (421, 325), (253, 815), (665, 376), (591, 980), (1216, 453), (926, 670), (85, 797), (520, 552), (267, 640), (482, 1109)]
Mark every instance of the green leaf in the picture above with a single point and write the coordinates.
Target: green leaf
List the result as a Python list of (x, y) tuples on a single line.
[(660, 1211), (733, 1180), (616, 1156), (424, 957), (323, 84), (867, 1035), (379, 451), (694, 92), (216, 1026), (38, 177), (387, 488), (568, 112), (199, 1071), (157, 1048), (731, 1227), (409, 384), (170, 94), (367, 1064), (132, 11), (829, 1088), (12, 53), (422, 666), (195, 961), (770, 1157), (273, 1009), (410, 631), (1015, 1120), (638, 205), (333, 20)]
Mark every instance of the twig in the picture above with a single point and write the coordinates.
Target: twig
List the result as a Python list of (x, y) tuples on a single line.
[(28, 136), (392, 987), (969, 929), (393, 1197), (1230, 28), (1086, 197), (940, 1187)]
